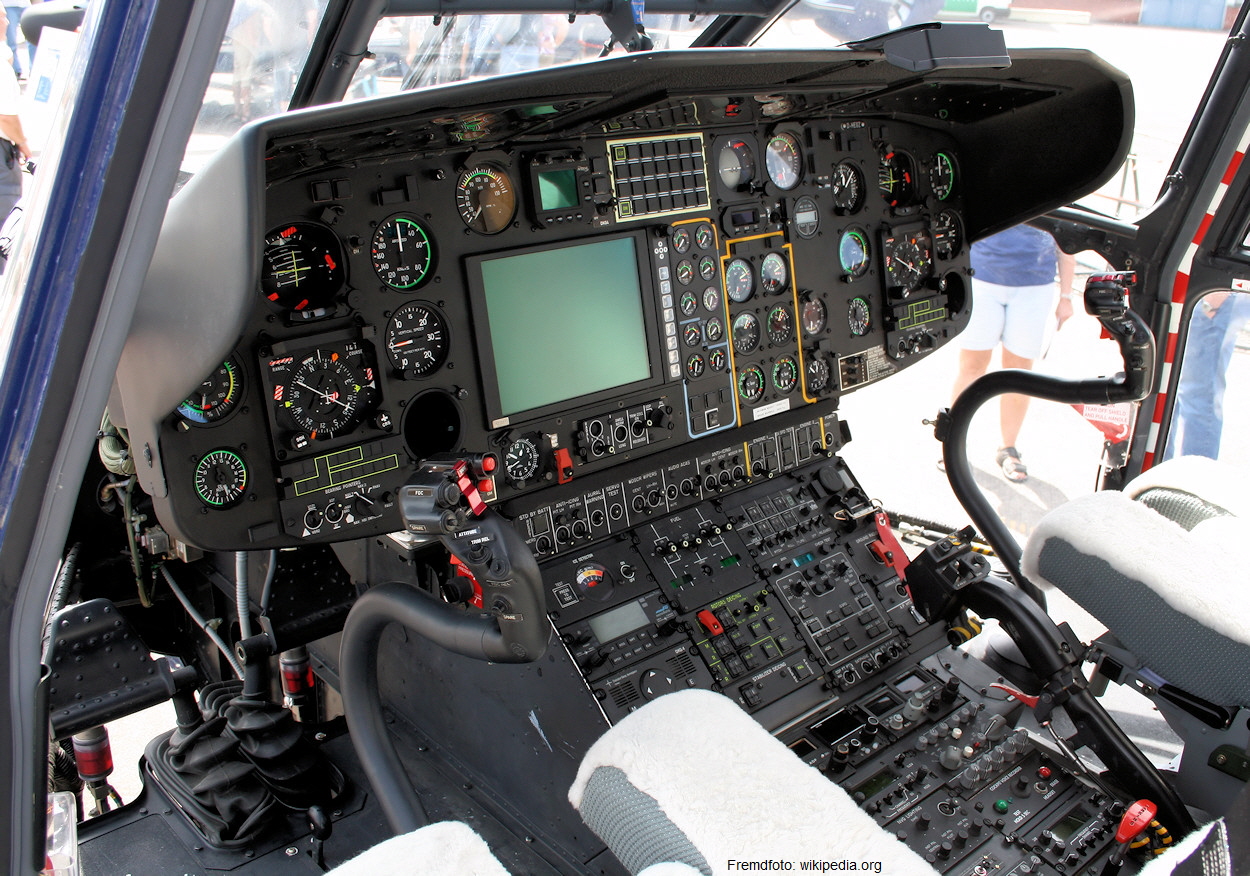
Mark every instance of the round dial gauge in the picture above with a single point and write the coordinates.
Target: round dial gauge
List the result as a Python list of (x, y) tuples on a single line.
[(401, 253), (848, 188), (486, 198), (780, 325), (948, 235), (704, 236), (302, 266), (813, 316), (859, 317), (806, 217), (853, 252), (695, 365), (735, 163), (416, 340), (739, 280), (942, 176), (216, 396), (774, 275), (520, 460), (325, 396), (220, 478), (707, 267), (908, 259), (751, 384), (816, 374), (746, 332), (685, 272), (692, 334), (681, 239), (896, 178), (711, 299), (785, 374), (784, 160), (688, 303), (713, 330), (716, 360)]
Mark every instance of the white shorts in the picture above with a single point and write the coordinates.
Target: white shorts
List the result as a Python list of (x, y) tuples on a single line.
[(1018, 316)]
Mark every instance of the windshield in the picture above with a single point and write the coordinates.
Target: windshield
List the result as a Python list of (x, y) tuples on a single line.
[(417, 51), (265, 48), (1169, 58)]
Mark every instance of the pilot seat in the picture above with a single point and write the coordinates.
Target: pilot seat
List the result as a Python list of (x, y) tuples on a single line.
[(1157, 565)]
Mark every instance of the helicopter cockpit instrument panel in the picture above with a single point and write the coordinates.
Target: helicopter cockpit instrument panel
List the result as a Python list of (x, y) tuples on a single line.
[(658, 289)]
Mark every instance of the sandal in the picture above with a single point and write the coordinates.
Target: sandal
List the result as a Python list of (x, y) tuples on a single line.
[(1014, 469)]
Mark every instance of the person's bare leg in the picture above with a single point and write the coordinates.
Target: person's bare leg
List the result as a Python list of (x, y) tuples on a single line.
[(972, 364), (1013, 406)]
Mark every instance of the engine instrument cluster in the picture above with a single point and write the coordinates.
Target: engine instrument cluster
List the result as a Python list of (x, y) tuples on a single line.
[(689, 269)]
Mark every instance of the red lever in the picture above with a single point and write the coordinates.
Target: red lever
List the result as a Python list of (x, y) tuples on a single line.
[(463, 571), (1135, 820), (1020, 695), (465, 482), (886, 548)]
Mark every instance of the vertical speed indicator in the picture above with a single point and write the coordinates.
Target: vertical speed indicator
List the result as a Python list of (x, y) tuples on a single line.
[(416, 340)]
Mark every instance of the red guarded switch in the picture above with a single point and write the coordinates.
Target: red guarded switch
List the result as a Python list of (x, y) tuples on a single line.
[(710, 623)]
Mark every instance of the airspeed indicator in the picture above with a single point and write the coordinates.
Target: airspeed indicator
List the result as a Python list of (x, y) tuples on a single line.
[(401, 253)]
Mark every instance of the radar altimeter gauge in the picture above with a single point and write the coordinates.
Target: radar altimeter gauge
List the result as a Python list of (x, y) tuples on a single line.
[(486, 198), (216, 397), (302, 268), (220, 478)]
